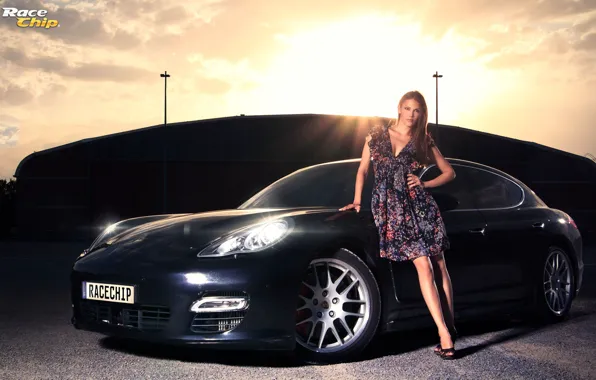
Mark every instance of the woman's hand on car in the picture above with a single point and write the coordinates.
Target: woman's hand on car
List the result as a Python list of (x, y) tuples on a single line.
[(355, 206)]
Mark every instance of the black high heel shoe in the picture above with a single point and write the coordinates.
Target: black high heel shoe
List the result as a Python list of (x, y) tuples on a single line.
[(454, 336), (447, 353)]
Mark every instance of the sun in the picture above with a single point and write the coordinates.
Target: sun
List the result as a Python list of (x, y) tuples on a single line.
[(362, 66)]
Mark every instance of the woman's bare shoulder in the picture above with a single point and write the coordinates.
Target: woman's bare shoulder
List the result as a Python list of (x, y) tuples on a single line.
[(376, 129)]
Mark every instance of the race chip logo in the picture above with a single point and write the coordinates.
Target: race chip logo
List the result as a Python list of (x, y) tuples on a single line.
[(30, 18)]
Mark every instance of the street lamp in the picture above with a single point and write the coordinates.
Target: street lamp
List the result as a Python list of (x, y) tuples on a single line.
[(437, 76), (165, 75), (165, 96)]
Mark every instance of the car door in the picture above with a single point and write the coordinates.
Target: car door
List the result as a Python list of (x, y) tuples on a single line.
[(465, 229), (511, 233)]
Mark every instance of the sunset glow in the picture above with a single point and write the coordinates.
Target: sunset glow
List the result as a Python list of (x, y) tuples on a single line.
[(518, 70)]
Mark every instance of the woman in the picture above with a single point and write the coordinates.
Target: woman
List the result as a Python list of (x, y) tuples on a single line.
[(407, 217)]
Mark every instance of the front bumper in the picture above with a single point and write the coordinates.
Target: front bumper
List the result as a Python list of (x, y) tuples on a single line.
[(162, 313)]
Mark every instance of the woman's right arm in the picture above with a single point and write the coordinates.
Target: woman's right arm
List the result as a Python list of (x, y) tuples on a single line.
[(360, 177)]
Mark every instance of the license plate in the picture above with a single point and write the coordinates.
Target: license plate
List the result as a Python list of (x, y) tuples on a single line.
[(109, 292)]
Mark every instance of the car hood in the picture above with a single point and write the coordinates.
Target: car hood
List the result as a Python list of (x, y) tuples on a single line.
[(166, 241)]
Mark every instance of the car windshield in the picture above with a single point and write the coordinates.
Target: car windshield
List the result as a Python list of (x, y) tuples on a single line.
[(327, 185)]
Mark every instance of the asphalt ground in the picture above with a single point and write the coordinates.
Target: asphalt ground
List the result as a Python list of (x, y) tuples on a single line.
[(38, 342)]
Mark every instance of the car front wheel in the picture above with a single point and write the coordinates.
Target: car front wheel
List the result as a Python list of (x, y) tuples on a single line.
[(338, 308)]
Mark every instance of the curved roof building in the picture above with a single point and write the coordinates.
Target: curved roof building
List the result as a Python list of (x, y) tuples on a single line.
[(74, 190)]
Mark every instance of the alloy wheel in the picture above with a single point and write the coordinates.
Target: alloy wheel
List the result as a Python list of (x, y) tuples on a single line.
[(557, 282), (334, 306)]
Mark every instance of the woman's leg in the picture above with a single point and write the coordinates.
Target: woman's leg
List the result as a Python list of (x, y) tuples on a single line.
[(443, 281), (431, 297)]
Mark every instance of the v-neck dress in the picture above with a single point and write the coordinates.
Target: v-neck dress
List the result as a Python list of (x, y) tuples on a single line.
[(408, 220)]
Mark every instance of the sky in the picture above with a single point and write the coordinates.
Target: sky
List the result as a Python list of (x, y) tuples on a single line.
[(518, 68)]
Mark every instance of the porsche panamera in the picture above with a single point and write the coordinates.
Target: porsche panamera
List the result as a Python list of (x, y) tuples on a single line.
[(287, 270)]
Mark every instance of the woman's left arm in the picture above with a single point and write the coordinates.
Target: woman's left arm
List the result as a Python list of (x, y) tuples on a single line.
[(447, 172)]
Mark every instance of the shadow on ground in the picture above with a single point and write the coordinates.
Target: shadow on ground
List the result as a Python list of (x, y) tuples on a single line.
[(503, 329), (382, 346), (202, 355)]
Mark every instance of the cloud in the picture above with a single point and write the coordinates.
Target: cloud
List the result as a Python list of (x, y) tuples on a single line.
[(103, 72), (535, 48), (551, 9), (132, 9), (247, 29), (8, 130), (172, 15), (15, 95), (586, 25), (77, 27), (211, 86), (511, 27), (476, 14), (83, 71), (588, 42), (124, 40), (49, 64), (554, 41), (50, 94)]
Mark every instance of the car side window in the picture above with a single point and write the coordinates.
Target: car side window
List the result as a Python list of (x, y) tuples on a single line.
[(324, 185), (454, 195), (327, 185), (493, 191)]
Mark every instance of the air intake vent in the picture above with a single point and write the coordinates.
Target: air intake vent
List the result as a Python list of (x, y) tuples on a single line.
[(217, 322), (231, 293), (146, 318), (96, 312), (142, 317)]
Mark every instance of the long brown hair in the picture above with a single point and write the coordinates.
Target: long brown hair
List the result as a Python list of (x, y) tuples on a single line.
[(420, 129)]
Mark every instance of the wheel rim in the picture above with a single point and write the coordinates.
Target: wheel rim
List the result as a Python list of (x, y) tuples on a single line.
[(557, 282), (333, 306)]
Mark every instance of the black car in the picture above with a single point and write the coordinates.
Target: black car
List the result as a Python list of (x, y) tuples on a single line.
[(287, 270)]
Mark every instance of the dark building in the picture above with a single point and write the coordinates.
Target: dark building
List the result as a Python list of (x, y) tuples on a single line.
[(74, 190)]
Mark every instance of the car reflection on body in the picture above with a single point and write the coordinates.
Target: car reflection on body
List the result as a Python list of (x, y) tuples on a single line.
[(287, 270)]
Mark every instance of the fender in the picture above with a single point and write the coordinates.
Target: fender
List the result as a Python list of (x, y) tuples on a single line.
[(127, 224)]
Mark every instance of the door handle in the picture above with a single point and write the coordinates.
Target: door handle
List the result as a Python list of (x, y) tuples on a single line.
[(538, 225), (479, 230)]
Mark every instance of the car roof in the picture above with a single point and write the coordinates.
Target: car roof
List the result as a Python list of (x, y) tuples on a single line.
[(456, 161), (453, 161)]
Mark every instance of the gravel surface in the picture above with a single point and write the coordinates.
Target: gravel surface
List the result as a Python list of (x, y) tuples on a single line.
[(38, 342)]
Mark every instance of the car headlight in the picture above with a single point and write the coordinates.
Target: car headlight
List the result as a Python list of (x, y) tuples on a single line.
[(251, 239)]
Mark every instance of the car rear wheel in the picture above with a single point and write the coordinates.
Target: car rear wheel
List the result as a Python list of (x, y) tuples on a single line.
[(338, 308), (555, 291)]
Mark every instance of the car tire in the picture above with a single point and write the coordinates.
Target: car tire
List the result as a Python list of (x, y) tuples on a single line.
[(549, 289), (347, 335)]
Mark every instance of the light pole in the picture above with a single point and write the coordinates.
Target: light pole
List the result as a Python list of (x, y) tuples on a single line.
[(437, 76), (165, 75), (165, 96)]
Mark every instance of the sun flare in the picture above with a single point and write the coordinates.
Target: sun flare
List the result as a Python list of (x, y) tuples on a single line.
[(363, 65)]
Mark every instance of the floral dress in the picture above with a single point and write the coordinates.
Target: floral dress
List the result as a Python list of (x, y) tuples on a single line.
[(408, 220)]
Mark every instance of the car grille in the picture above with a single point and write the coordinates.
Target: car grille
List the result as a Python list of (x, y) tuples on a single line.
[(141, 317), (218, 322)]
